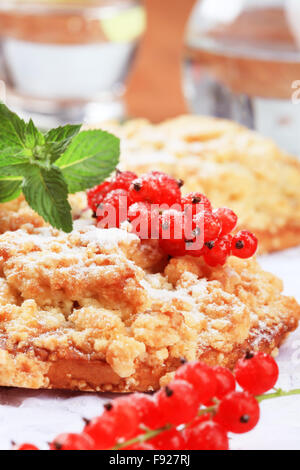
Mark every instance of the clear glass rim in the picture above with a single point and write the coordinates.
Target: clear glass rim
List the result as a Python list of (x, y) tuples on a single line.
[(64, 6)]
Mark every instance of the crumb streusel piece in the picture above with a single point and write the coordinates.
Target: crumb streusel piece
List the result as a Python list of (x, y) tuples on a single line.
[(101, 310), (232, 165)]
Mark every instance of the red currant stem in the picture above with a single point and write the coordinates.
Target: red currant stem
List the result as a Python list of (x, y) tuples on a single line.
[(142, 437), (210, 409), (150, 434), (279, 393)]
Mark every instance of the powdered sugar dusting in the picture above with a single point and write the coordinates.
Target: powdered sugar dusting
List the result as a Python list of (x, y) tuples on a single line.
[(108, 238)]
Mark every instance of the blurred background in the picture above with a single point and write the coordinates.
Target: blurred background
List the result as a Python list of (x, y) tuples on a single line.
[(92, 60)]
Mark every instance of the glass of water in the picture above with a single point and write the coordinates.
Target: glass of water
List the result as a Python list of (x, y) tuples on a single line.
[(243, 62), (67, 60)]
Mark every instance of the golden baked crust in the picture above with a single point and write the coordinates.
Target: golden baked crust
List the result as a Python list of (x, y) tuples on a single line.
[(99, 310), (17, 214), (233, 166)]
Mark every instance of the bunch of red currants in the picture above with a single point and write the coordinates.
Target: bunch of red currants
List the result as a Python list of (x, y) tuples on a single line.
[(183, 224), (196, 411)]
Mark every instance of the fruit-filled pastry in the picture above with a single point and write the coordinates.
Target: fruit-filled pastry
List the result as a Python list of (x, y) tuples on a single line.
[(105, 309), (232, 165), (113, 289)]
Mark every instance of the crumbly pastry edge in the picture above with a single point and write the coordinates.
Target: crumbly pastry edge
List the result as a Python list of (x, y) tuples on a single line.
[(286, 237), (28, 370)]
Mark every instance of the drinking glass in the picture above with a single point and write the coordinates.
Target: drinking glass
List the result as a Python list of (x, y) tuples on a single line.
[(243, 62), (67, 60)]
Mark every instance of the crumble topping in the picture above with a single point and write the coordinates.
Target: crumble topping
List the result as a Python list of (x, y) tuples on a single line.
[(105, 295)]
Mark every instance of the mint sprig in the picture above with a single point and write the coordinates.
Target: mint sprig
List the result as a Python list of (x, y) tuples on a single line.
[(88, 160), (48, 166)]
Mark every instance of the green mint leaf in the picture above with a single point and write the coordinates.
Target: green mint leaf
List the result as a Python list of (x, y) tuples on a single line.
[(57, 140), (12, 130), (6, 158), (9, 189), (33, 137), (46, 192), (27, 158), (16, 136), (91, 157), (13, 166)]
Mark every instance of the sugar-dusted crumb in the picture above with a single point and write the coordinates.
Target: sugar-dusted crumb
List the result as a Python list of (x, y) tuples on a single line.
[(86, 311)]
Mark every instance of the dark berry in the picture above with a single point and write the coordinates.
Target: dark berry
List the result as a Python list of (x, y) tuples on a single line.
[(201, 377), (149, 413), (145, 220), (173, 248), (172, 225), (140, 446), (104, 431), (227, 218), (257, 374), (157, 188), (194, 203), (169, 440), (177, 402), (26, 447), (244, 244), (216, 252), (112, 211), (225, 383), (96, 195), (123, 180), (172, 233), (125, 415), (208, 224), (207, 435), (72, 442), (238, 412)]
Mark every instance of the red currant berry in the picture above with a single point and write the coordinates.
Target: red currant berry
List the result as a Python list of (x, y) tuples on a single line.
[(149, 413), (244, 244), (172, 225), (173, 248), (123, 180), (145, 220), (104, 431), (227, 218), (72, 442), (194, 203), (194, 237), (201, 377), (125, 415), (207, 435), (172, 234), (208, 224), (178, 402), (113, 209), (169, 440), (140, 446), (26, 447), (157, 188), (216, 252), (194, 247), (225, 381), (238, 412), (257, 373), (96, 195)]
